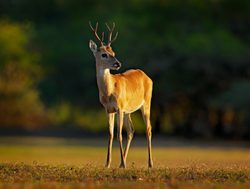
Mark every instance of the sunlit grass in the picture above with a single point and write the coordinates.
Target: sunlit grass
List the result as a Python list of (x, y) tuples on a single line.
[(57, 163), (82, 152)]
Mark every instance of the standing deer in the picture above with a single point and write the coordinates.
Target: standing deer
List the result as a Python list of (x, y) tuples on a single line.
[(121, 93)]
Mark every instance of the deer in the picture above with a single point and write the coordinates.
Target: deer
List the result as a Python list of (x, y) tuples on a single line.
[(121, 94)]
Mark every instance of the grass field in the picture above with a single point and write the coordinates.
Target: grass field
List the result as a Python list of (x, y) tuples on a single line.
[(59, 163)]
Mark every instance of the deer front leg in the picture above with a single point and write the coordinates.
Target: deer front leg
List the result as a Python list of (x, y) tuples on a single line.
[(111, 118), (119, 137)]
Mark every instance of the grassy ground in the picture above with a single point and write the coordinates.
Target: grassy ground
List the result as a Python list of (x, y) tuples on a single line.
[(58, 163)]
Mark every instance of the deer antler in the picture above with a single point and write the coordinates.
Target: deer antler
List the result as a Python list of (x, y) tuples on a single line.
[(95, 32), (110, 40)]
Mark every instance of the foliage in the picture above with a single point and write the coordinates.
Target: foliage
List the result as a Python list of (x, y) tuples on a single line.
[(20, 105), (195, 51)]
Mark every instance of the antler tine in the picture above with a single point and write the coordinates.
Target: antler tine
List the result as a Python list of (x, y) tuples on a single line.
[(111, 33), (113, 26), (102, 36), (114, 38), (90, 25), (95, 32), (107, 26)]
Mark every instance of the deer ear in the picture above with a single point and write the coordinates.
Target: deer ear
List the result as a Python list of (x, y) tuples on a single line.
[(92, 46)]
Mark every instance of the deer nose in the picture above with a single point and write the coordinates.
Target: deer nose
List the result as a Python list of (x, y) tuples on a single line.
[(117, 65)]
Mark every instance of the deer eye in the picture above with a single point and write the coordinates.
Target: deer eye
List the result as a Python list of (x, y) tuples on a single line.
[(104, 56)]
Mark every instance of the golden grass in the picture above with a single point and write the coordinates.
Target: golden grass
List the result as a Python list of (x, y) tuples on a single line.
[(53, 163)]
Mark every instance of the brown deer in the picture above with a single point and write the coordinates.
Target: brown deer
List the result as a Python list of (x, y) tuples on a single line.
[(121, 94)]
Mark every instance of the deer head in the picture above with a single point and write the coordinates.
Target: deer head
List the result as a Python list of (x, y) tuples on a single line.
[(104, 55)]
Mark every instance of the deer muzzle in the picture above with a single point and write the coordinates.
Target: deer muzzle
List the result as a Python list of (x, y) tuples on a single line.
[(117, 65)]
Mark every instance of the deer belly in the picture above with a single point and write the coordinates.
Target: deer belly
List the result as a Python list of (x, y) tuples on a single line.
[(133, 107)]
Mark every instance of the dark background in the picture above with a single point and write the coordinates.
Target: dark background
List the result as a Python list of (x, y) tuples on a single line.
[(196, 52)]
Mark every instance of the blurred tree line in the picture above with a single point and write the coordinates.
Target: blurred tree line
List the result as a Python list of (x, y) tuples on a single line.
[(196, 51)]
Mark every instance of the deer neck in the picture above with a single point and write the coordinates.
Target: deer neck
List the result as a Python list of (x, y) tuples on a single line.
[(104, 81)]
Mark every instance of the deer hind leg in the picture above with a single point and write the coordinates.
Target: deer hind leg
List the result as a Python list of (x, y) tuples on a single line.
[(146, 117), (130, 133), (111, 119), (119, 137)]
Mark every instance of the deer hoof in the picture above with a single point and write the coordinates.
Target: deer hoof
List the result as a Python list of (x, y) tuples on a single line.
[(150, 165), (122, 165)]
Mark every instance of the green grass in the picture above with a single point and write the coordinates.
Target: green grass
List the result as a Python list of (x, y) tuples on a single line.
[(57, 163)]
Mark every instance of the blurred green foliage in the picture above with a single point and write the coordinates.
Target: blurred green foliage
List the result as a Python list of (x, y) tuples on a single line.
[(20, 104), (197, 53)]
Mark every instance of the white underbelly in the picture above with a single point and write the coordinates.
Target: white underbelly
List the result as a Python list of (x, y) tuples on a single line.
[(131, 110)]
